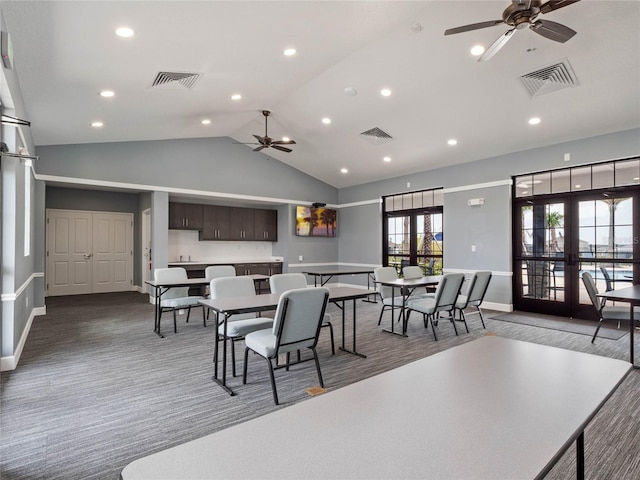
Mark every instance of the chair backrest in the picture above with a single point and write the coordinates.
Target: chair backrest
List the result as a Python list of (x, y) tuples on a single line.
[(429, 268), (448, 291), (385, 274), (219, 271), (592, 290), (412, 271), (298, 318), (282, 282), (228, 287), (478, 287), (607, 278), (173, 274)]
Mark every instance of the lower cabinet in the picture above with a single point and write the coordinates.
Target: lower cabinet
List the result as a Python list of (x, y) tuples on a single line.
[(258, 268)]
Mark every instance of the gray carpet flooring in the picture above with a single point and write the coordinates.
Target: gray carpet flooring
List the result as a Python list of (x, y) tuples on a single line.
[(608, 329), (96, 388)]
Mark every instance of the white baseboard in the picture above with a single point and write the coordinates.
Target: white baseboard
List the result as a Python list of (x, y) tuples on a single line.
[(501, 307), (11, 362)]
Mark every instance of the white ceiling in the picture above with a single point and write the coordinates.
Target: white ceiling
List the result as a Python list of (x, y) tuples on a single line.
[(66, 52)]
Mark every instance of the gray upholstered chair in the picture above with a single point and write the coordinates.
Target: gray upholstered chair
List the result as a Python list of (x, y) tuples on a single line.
[(219, 271), (604, 313), (443, 301), (238, 326), (414, 271), (387, 274), (296, 326), (282, 282), (176, 298), (474, 296)]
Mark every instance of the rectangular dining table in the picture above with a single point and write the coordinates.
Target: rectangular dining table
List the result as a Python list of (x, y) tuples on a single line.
[(322, 276), (491, 408), (227, 307), (630, 295), (406, 287), (160, 288)]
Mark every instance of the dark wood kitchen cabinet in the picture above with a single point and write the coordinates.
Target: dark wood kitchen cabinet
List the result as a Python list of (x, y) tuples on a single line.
[(265, 225), (241, 224), (216, 224), (185, 216)]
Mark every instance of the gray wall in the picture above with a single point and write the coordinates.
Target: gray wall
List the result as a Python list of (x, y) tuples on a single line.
[(488, 226), (205, 164)]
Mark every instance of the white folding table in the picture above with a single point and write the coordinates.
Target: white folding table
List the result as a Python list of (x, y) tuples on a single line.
[(493, 408)]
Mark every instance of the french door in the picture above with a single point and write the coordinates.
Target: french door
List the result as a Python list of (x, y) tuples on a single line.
[(558, 237)]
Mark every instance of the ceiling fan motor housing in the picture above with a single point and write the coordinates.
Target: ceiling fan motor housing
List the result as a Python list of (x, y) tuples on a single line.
[(521, 18)]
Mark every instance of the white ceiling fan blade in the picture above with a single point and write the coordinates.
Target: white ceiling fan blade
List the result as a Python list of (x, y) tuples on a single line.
[(497, 45)]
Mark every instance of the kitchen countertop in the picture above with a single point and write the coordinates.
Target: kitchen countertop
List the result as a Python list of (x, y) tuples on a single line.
[(224, 262)]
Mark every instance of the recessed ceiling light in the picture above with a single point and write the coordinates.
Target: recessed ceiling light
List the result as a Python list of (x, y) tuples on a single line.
[(205, 121), (477, 50), (236, 96), (107, 93), (578, 185), (326, 120), (286, 139), (344, 170), (350, 91), (387, 159), (385, 92), (452, 141), (534, 121), (290, 51), (124, 32), (97, 124)]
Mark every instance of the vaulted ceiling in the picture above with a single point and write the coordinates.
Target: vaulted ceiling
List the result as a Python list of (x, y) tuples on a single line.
[(66, 52)]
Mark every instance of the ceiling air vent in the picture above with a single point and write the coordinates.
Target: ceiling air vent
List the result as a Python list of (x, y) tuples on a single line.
[(376, 136), (549, 79), (175, 79)]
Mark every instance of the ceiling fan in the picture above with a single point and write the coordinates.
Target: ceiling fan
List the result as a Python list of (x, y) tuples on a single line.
[(267, 141), (522, 14)]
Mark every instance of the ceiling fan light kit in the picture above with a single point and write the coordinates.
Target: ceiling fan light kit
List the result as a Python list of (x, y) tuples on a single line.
[(519, 15)]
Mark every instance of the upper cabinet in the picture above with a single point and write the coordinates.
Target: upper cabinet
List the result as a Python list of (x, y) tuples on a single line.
[(216, 222), (265, 225), (241, 223), (185, 216)]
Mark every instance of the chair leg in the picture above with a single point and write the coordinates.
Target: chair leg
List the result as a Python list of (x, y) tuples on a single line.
[(381, 313), (244, 368), (424, 320), (315, 356), (464, 320), (481, 316), (597, 330), (233, 356), (204, 316), (159, 319), (453, 321), (273, 381), (333, 347), (175, 322), (433, 328)]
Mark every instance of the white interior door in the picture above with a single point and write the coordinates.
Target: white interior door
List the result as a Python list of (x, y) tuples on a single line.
[(112, 252), (69, 250), (89, 252)]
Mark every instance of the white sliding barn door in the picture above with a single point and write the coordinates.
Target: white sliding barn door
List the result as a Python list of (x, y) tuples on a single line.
[(88, 252)]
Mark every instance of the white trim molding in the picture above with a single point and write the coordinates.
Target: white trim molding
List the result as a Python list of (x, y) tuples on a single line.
[(12, 297), (11, 362)]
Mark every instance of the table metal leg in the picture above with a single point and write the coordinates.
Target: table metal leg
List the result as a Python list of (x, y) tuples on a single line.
[(157, 311), (580, 457), (393, 307), (343, 347), (368, 299), (222, 381)]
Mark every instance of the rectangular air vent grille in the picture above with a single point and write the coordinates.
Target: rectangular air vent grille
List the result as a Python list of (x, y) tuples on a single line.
[(376, 136), (173, 79), (549, 79)]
